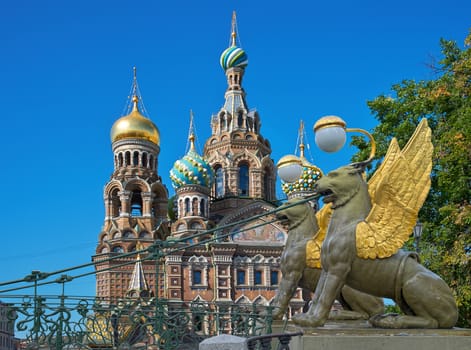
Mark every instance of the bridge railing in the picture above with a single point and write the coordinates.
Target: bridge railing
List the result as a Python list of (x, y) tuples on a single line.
[(50, 322), (264, 342)]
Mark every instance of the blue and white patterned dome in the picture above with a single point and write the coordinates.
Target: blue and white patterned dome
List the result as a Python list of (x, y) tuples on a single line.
[(234, 57), (192, 169)]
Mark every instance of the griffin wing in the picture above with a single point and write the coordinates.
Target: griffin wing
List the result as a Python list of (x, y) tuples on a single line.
[(313, 246), (398, 190), (390, 158)]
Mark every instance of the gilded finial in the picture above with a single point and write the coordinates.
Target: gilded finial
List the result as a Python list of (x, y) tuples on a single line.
[(192, 142), (301, 139), (135, 99), (234, 29), (191, 132)]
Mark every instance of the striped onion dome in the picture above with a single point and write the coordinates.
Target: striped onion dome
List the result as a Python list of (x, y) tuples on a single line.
[(192, 169), (233, 57)]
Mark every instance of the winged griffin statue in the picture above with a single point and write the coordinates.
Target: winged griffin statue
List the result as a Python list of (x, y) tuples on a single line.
[(362, 229)]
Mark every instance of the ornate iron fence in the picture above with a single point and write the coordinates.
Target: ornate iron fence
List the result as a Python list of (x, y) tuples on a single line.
[(47, 322)]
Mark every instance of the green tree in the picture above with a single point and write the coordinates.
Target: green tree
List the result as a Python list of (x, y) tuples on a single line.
[(446, 102)]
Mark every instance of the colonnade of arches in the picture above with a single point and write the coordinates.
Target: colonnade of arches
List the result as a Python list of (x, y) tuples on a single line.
[(193, 205), (106, 241), (244, 179), (241, 121), (134, 158), (137, 199)]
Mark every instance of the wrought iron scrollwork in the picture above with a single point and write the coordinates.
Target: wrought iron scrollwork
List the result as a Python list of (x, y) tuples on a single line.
[(68, 323)]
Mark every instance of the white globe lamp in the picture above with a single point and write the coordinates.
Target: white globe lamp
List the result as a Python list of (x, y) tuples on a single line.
[(330, 133), (289, 168)]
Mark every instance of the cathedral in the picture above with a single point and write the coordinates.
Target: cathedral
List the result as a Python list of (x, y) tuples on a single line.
[(218, 255)]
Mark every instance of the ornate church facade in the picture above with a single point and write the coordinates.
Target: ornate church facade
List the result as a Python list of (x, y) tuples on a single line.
[(216, 255)]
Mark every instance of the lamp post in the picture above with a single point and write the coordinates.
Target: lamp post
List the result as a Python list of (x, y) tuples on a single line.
[(330, 136), (417, 234)]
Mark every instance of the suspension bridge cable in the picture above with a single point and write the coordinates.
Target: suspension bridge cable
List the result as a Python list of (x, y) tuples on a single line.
[(149, 257), (151, 249), (255, 217)]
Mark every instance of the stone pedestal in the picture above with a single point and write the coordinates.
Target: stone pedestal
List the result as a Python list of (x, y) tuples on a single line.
[(359, 335)]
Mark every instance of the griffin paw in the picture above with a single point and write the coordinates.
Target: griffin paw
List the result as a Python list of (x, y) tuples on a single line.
[(306, 320)]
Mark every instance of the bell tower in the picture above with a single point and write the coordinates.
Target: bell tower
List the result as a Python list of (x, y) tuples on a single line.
[(236, 149), (135, 200)]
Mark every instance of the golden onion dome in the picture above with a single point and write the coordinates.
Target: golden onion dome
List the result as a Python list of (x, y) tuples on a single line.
[(135, 126)]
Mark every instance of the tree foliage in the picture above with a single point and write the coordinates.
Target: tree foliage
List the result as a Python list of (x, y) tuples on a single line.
[(446, 102)]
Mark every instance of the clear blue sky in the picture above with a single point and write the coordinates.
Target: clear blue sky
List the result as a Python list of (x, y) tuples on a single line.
[(66, 72)]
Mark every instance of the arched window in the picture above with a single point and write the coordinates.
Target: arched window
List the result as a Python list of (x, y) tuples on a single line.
[(115, 203), (258, 277), (243, 179), (273, 277), (144, 160), (135, 158), (118, 249), (241, 277), (187, 206), (240, 119), (128, 234), (136, 204), (197, 277), (266, 185), (219, 183), (194, 206), (120, 159), (198, 272), (151, 162), (203, 207), (223, 121), (127, 158)]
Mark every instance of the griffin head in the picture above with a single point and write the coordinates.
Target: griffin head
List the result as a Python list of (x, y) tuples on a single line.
[(292, 213), (340, 185)]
